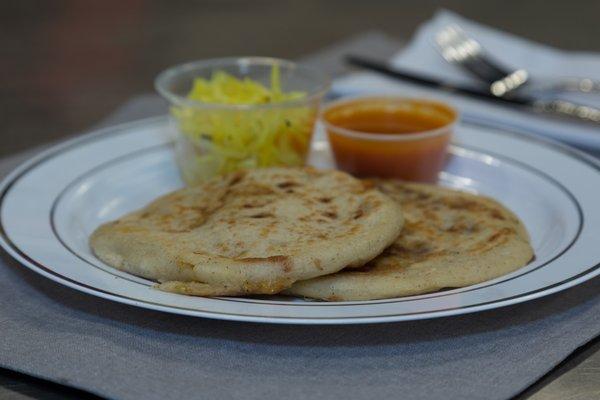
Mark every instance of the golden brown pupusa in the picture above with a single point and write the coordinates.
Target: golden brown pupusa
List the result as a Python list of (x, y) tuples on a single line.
[(252, 232), (450, 239)]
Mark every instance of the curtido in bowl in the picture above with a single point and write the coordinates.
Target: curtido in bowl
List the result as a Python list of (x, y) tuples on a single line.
[(239, 113)]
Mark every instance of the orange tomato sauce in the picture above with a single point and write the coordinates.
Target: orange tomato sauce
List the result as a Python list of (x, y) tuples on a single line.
[(390, 137)]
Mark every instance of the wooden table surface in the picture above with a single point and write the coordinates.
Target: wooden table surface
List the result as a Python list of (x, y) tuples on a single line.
[(67, 64)]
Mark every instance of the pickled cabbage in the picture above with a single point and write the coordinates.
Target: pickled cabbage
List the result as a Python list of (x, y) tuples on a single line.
[(227, 139)]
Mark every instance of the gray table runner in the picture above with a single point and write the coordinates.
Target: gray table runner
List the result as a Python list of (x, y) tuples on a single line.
[(122, 352)]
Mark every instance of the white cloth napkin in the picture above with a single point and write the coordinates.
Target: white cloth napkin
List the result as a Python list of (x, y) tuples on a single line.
[(543, 63)]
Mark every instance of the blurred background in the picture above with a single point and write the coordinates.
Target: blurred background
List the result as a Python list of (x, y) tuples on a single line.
[(67, 64)]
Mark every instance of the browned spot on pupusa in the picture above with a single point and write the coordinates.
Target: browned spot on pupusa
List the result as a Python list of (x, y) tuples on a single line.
[(462, 228), (184, 264), (461, 203), (415, 248), (330, 214), (430, 215), (284, 261), (500, 233), (493, 240), (254, 189), (318, 264), (237, 178), (497, 215), (354, 229), (413, 194), (374, 204), (358, 213), (262, 215), (325, 200), (306, 218), (288, 184), (256, 203)]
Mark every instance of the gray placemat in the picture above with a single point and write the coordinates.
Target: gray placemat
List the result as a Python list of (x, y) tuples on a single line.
[(123, 352)]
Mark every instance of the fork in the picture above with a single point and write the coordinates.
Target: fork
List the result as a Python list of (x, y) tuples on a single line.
[(458, 48)]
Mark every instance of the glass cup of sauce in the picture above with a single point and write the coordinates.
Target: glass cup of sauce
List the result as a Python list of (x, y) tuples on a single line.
[(390, 137)]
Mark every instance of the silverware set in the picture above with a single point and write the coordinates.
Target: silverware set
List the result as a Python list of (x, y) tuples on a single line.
[(458, 48), (499, 82)]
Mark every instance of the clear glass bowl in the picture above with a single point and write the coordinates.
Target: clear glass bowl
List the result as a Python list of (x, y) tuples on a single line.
[(213, 139)]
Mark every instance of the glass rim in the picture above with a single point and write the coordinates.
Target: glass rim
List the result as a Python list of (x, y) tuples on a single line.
[(389, 137), (161, 82)]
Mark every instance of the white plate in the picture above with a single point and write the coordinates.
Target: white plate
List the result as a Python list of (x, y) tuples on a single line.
[(51, 204)]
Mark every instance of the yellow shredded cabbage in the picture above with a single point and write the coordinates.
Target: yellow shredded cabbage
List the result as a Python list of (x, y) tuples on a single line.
[(226, 140)]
